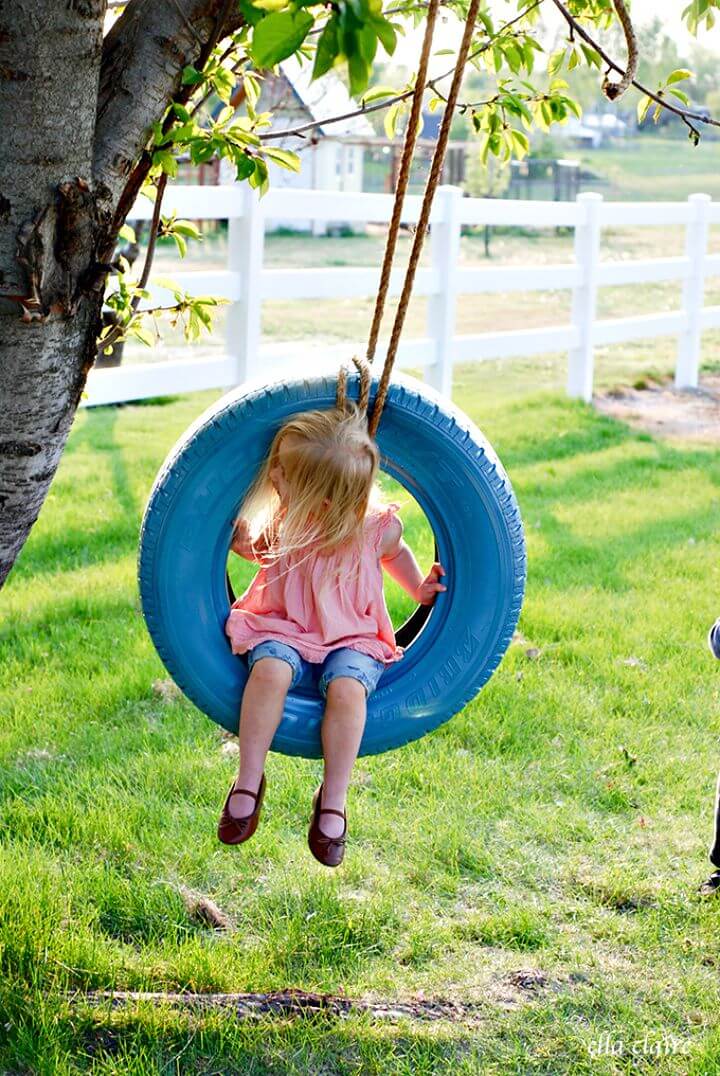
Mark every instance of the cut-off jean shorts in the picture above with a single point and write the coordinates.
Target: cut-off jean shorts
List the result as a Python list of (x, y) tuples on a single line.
[(341, 662)]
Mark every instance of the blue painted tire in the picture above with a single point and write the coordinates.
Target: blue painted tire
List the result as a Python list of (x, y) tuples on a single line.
[(433, 450)]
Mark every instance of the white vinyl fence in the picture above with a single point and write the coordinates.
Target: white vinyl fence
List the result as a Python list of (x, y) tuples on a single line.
[(246, 283)]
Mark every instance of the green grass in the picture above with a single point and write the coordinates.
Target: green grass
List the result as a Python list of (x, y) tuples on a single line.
[(534, 859), (652, 168)]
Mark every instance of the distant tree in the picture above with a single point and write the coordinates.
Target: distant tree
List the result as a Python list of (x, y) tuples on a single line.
[(486, 180)]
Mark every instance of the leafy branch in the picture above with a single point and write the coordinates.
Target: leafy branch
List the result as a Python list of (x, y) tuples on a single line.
[(687, 115)]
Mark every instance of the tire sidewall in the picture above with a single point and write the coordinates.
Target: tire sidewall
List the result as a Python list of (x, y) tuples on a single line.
[(439, 456)]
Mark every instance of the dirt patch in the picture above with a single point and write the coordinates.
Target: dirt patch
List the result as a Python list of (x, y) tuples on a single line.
[(658, 408)]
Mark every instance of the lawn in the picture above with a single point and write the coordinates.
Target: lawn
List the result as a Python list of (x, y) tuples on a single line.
[(653, 168), (525, 875)]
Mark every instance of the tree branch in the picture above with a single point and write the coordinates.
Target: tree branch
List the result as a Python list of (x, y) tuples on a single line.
[(144, 54), (685, 114), (117, 330), (613, 90), (366, 109)]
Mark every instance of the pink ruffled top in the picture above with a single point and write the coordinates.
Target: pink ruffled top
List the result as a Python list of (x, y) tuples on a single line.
[(320, 604)]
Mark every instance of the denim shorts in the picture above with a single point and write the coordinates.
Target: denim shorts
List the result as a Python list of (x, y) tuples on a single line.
[(341, 662)]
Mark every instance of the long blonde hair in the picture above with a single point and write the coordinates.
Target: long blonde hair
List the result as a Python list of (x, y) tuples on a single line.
[(333, 459)]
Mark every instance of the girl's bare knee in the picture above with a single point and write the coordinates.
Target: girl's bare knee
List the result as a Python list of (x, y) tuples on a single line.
[(272, 672), (346, 691)]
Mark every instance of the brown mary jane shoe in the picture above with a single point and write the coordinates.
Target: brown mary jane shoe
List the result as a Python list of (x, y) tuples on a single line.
[(233, 830), (327, 850)]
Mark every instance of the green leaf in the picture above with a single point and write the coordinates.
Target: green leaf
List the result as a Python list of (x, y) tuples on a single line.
[(680, 94), (224, 116), (556, 61), (224, 83), (186, 227), (391, 118), (259, 177), (279, 36), (127, 232), (514, 57), (181, 112), (251, 87), (386, 33), (486, 20), (239, 133), (359, 72), (283, 157), (367, 39), (202, 151), (328, 48), (593, 58), (166, 161), (143, 335), (251, 14), (642, 108), (182, 133), (678, 76), (521, 142), (378, 92), (244, 165), (191, 76)]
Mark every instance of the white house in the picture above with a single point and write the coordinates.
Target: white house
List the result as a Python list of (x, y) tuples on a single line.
[(331, 158)]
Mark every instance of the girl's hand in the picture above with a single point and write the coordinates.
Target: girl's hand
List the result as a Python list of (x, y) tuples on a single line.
[(425, 593), (240, 543)]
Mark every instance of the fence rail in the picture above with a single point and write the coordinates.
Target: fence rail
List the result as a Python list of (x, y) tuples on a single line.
[(246, 283)]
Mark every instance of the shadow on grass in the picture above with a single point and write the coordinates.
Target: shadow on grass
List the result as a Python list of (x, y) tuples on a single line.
[(77, 547), (163, 1041), (604, 562)]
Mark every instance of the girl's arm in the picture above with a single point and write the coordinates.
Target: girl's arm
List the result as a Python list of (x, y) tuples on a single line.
[(240, 543), (398, 560)]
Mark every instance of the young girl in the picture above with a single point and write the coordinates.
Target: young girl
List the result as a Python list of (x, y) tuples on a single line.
[(324, 540)]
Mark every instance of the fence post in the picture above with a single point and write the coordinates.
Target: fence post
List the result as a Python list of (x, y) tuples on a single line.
[(246, 242), (696, 240), (445, 250), (584, 301)]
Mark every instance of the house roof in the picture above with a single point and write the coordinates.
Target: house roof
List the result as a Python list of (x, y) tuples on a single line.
[(326, 97)]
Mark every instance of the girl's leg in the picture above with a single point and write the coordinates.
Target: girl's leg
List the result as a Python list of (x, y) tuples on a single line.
[(261, 711), (341, 733)]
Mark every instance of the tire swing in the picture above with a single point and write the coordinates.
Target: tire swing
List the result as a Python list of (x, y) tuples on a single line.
[(426, 443)]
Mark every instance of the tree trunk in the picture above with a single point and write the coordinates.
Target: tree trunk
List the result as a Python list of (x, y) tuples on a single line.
[(76, 115), (50, 57), (42, 374)]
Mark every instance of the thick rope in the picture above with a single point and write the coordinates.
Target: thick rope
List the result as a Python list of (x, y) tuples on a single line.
[(365, 377), (430, 188), (411, 135)]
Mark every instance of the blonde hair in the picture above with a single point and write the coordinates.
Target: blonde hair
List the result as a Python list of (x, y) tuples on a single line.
[(332, 459)]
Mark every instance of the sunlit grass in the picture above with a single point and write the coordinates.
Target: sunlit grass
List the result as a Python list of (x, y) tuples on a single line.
[(557, 827)]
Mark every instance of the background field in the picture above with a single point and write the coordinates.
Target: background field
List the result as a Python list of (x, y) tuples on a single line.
[(639, 169), (534, 860)]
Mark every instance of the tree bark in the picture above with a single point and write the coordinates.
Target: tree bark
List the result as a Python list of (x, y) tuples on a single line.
[(76, 116), (50, 55), (143, 59)]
